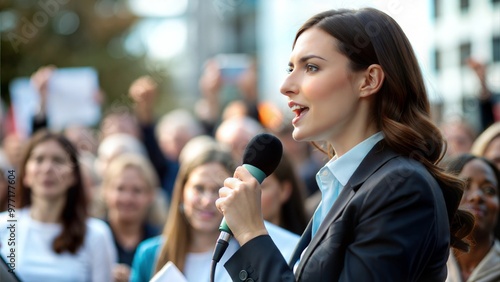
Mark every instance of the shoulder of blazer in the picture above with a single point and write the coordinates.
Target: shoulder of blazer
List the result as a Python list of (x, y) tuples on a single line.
[(379, 155)]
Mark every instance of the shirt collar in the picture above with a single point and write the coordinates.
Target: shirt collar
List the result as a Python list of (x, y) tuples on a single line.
[(343, 168)]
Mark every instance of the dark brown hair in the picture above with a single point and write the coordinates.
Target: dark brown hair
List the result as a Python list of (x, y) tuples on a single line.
[(74, 214), (401, 109)]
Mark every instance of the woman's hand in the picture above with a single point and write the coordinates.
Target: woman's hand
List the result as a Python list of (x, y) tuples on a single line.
[(121, 273), (240, 204)]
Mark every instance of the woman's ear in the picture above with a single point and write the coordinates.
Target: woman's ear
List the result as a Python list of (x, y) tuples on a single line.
[(373, 80)]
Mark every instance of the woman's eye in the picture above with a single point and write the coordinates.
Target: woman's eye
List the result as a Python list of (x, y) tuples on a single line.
[(490, 191), (311, 68), (289, 70)]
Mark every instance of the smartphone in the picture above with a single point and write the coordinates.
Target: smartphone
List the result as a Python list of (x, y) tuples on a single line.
[(232, 66)]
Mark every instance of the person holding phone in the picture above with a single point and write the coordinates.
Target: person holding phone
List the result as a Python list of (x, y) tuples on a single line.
[(388, 211)]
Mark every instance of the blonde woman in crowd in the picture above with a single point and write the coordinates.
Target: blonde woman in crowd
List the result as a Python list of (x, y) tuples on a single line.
[(129, 188), (487, 144)]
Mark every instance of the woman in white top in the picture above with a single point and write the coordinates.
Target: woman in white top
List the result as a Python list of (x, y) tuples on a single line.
[(48, 236), (192, 227)]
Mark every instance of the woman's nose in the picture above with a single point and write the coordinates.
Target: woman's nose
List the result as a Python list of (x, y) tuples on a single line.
[(289, 86), (474, 195)]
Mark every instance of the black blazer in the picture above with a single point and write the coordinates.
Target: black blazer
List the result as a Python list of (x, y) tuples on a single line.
[(389, 223)]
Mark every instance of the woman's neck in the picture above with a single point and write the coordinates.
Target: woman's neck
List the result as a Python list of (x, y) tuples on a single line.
[(469, 261), (202, 242), (47, 211)]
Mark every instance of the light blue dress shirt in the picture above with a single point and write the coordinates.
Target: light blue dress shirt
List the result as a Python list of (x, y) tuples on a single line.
[(334, 176)]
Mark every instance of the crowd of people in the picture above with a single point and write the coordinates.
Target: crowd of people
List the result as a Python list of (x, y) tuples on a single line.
[(118, 201)]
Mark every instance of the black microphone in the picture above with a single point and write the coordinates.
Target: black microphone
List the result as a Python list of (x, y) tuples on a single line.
[(261, 157)]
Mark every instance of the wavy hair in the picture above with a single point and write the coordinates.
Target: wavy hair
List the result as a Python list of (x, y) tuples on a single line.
[(401, 108)]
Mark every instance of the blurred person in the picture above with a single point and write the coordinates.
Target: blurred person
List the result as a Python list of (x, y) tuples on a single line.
[(55, 238), (282, 198), (487, 144), (214, 106), (459, 136), (163, 138), (112, 147), (129, 188), (90, 178), (486, 97), (40, 82), (481, 197), (119, 121), (236, 132), (174, 130), (83, 137), (196, 146), (12, 145), (388, 211), (192, 228)]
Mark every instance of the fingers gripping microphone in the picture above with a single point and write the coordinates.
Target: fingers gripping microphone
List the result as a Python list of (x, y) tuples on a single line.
[(261, 157)]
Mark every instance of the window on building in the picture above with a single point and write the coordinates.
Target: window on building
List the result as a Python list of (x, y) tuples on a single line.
[(437, 60), (464, 5), (465, 52), (496, 48), (437, 8)]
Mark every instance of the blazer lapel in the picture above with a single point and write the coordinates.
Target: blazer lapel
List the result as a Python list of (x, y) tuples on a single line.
[(344, 198), (377, 157), (301, 245)]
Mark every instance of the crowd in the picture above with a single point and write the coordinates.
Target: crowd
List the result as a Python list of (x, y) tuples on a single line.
[(118, 201)]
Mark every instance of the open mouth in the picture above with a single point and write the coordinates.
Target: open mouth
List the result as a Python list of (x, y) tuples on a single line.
[(298, 110)]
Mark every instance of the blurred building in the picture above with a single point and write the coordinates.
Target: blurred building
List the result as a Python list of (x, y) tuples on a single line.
[(464, 29)]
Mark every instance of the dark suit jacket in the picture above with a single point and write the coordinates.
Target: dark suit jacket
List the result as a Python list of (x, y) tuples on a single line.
[(389, 223)]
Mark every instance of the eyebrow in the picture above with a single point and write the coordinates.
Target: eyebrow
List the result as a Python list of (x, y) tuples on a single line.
[(306, 58)]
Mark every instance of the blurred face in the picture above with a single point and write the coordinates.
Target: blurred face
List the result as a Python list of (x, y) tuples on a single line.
[(200, 192), (49, 171), (119, 123), (481, 195), (492, 152), (236, 137), (129, 196), (274, 195), (321, 89), (172, 141), (458, 139)]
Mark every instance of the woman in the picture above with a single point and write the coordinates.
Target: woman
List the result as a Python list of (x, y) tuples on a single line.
[(482, 198), (55, 240), (192, 228), (355, 84), (129, 188), (487, 144)]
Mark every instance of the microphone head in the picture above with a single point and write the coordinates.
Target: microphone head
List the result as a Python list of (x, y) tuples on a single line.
[(264, 152)]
